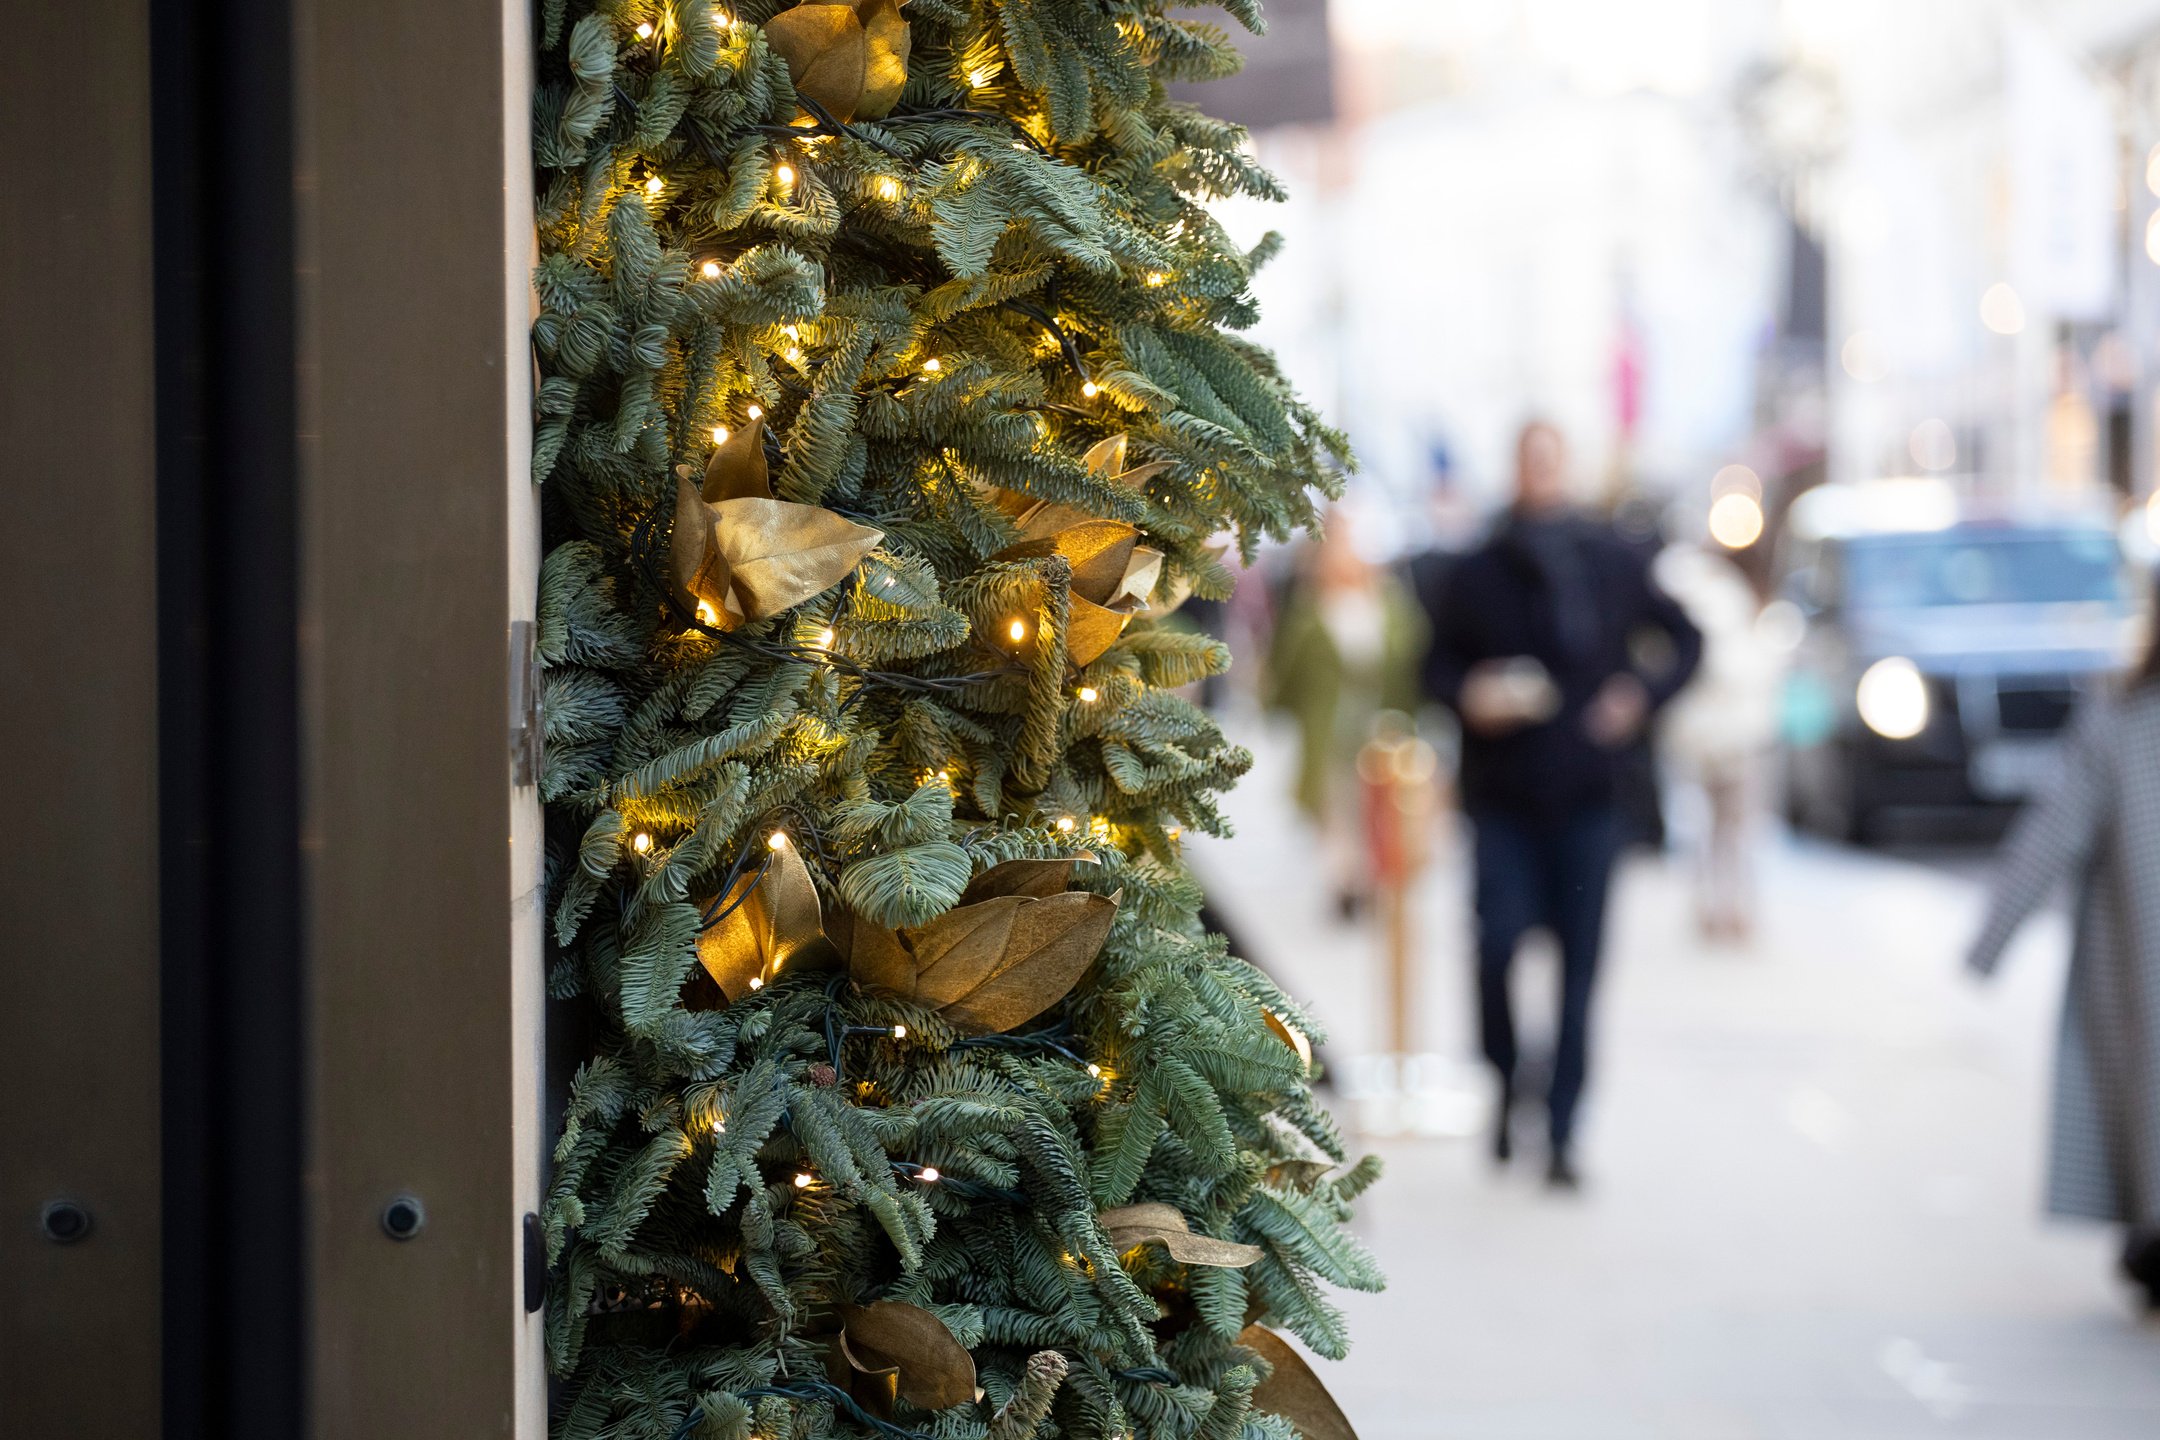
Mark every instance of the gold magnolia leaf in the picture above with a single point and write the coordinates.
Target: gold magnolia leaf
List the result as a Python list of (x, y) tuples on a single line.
[(885, 69), (751, 557), (1299, 1175), (1164, 1225), (1293, 1391), (1112, 574), (736, 469), (1105, 459), (776, 924), (1015, 945), (827, 54), (850, 56), (894, 1349), (1291, 1036)]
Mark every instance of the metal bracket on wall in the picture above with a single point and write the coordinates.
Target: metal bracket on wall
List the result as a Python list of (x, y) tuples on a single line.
[(535, 1264), (527, 742)]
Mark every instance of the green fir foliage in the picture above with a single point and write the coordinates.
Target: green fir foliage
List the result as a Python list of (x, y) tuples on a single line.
[(1031, 218)]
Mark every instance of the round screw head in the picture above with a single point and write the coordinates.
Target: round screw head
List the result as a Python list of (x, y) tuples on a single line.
[(64, 1222), (403, 1217)]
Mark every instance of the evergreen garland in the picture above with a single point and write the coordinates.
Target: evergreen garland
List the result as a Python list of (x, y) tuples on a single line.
[(957, 299)]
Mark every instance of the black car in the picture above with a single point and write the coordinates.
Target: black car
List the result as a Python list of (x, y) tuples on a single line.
[(1942, 655)]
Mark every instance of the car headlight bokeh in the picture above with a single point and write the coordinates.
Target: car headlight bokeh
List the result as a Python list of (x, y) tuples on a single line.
[(1893, 698)]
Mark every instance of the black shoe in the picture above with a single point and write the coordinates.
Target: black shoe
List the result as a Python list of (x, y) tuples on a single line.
[(1503, 1137), (1560, 1174)]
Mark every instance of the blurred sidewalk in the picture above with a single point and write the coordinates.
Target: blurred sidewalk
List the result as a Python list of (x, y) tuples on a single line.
[(1813, 1169)]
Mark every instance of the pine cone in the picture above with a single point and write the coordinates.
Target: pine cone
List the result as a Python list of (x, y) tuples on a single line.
[(823, 1075)]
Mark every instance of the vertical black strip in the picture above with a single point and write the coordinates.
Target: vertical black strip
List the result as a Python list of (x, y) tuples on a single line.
[(229, 721)]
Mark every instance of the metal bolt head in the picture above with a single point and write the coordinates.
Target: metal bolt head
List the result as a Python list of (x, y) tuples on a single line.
[(403, 1217), (63, 1222)]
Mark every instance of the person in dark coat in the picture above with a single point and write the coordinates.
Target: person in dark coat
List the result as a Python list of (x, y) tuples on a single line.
[(1533, 653), (2098, 828)]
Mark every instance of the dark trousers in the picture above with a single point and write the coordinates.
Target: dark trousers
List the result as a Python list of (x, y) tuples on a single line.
[(1552, 873)]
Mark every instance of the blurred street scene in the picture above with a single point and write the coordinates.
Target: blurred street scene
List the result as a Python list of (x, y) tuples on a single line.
[(1837, 327)]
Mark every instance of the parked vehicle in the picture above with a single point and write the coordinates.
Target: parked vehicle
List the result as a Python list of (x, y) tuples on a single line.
[(1945, 648)]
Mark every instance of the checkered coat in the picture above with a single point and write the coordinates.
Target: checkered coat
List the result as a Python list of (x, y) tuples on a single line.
[(2099, 827)]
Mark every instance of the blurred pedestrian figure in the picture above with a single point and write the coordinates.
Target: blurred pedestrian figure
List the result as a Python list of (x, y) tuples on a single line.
[(1345, 649), (1720, 729), (1533, 653), (2098, 827)]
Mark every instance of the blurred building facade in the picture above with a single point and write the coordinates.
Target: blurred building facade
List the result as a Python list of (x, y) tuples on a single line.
[(1912, 236)]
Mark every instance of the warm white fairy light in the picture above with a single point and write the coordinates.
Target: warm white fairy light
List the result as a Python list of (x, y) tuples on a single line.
[(1157, 277), (777, 840), (641, 842), (644, 31), (928, 1175), (785, 174), (719, 1125), (899, 1032), (757, 982), (654, 185), (710, 269), (982, 75), (794, 353), (825, 638), (720, 434), (705, 613), (720, 19), (755, 412), (791, 331), (802, 1179), (888, 188), (1065, 824), (1089, 694), (1090, 389), (1018, 629), (1095, 1070), (932, 365)]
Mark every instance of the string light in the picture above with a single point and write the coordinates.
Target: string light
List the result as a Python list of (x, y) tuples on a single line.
[(1096, 1071), (705, 613), (794, 353), (755, 412), (928, 1175), (655, 185), (888, 188), (757, 982), (644, 32), (899, 1032), (802, 1179), (1090, 389), (1065, 824), (777, 840), (719, 434), (1018, 629), (791, 332), (720, 19), (982, 75), (710, 269), (825, 638), (932, 365), (1089, 695), (785, 174), (719, 1125), (641, 842), (1157, 277)]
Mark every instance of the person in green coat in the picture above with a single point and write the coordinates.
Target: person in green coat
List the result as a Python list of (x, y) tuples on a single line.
[(1345, 649)]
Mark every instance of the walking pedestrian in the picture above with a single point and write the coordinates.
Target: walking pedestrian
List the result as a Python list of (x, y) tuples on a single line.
[(1345, 649), (1533, 653), (2098, 827), (1722, 728)]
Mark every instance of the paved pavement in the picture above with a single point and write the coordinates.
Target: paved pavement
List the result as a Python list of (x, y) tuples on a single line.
[(1813, 1173)]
